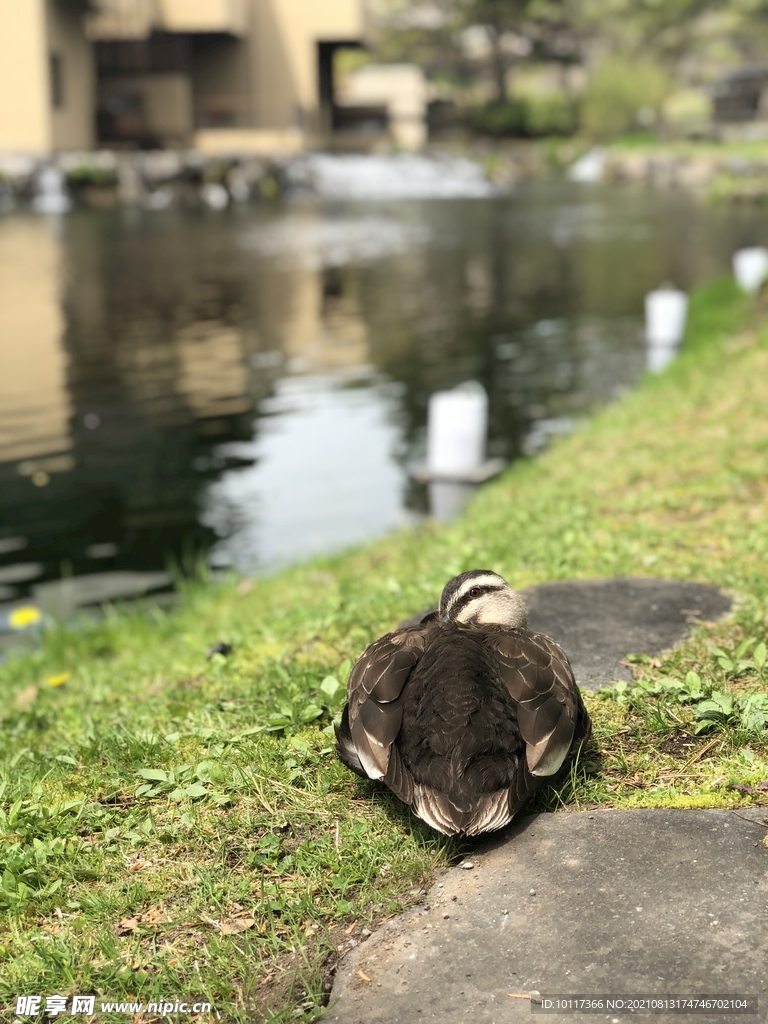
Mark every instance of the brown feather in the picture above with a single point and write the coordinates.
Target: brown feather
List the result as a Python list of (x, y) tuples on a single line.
[(443, 712)]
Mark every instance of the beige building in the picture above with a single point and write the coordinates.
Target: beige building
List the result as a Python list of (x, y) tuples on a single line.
[(226, 75), (47, 76), (229, 75), (399, 90)]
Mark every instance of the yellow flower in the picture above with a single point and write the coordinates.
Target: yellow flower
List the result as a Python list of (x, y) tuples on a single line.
[(27, 615), (58, 680)]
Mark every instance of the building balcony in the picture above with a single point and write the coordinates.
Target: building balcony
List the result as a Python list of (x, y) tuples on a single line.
[(117, 20), (122, 19), (194, 16)]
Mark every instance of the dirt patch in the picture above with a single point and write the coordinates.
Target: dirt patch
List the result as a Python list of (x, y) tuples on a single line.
[(680, 744), (293, 976)]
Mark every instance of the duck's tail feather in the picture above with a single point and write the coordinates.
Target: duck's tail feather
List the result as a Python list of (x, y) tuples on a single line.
[(492, 812)]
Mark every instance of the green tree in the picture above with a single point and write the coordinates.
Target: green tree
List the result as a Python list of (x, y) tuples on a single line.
[(665, 31), (425, 35), (618, 89), (429, 34), (528, 19)]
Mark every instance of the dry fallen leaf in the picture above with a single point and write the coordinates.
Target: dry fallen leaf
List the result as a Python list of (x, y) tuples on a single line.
[(236, 925), (127, 925), (155, 915), (364, 977)]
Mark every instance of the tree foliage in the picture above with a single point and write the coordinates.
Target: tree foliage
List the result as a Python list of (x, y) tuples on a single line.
[(634, 51), (666, 30)]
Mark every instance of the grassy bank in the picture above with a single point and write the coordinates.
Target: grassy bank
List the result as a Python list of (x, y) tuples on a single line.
[(723, 172), (752, 152), (178, 827)]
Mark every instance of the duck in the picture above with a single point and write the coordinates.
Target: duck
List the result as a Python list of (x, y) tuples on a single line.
[(465, 714)]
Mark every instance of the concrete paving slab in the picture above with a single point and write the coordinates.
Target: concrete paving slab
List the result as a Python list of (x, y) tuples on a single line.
[(655, 903), (599, 622)]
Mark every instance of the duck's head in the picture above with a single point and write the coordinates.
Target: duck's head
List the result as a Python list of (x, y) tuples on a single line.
[(481, 597)]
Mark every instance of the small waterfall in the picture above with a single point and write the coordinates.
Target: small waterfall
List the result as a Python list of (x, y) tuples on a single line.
[(589, 168), (400, 176), (51, 194)]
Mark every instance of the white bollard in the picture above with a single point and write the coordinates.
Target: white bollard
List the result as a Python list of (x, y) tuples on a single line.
[(51, 194), (457, 426), (666, 310), (750, 268)]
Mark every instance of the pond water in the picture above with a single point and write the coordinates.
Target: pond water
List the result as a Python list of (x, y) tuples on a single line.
[(252, 383)]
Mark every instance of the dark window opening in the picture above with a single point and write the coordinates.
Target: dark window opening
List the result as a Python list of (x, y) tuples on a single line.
[(57, 81), (160, 53), (326, 86)]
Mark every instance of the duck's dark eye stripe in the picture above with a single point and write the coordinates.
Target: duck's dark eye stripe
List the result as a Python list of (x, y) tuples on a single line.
[(472, 595)]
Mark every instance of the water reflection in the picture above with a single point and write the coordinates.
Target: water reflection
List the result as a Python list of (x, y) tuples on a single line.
[(323, 476), (35, 405), (254, 383), (102, 359)]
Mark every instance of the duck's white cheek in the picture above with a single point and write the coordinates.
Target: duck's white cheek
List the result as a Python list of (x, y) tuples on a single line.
[(489, 611)]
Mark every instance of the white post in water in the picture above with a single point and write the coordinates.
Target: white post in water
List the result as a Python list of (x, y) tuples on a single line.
[(457, 425), (666, 310), (750, 268), (51, 194)]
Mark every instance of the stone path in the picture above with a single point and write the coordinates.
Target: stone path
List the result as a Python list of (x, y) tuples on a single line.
[(603, 904), (607, 903), (599, 622)]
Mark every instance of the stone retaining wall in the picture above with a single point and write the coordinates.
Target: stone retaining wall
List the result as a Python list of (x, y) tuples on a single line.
[(155, 179)]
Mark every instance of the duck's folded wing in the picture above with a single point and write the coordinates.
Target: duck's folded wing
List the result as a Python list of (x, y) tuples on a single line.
[(373, 713), (551, 716)]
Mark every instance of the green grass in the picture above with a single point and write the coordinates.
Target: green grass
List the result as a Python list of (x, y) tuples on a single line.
[(735, 171), (647, 142), (173, 826)]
